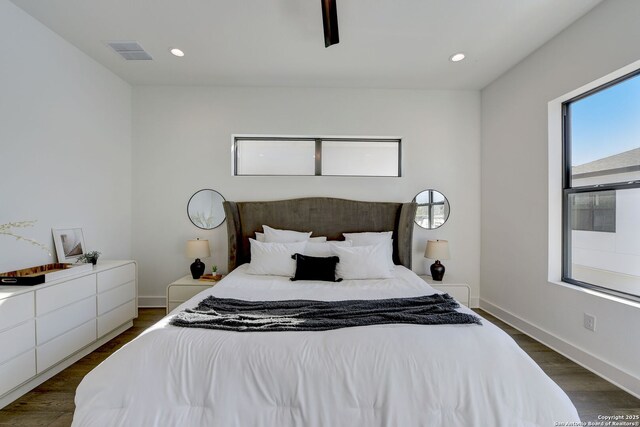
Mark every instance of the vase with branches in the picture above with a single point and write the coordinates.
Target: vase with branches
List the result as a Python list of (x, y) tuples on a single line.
[(7, 230)]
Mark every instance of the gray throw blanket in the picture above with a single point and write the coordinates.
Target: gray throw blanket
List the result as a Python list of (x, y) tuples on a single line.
[(307, 315)]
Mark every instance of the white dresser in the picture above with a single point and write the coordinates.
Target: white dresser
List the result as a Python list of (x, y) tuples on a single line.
[(45, 328), (460, 291)]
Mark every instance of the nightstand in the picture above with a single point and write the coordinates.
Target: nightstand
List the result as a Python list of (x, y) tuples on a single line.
[(460, 291), (183, 289)]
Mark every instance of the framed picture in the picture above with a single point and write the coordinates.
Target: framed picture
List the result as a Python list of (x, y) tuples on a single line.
[(69, 243)]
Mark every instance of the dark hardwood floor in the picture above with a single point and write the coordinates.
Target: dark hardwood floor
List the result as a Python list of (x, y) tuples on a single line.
[(591, 395), (51, 403)]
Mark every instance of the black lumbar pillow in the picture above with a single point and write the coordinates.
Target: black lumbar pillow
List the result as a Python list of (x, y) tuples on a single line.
[(315, 268)]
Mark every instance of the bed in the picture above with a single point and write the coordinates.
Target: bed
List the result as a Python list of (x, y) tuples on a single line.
[(382, 375)]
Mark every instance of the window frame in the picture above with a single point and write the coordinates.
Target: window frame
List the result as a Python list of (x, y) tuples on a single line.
[(318, 151), (568, 189)]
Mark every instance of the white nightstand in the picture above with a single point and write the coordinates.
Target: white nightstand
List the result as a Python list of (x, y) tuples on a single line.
[(460, 291), (183, 289)]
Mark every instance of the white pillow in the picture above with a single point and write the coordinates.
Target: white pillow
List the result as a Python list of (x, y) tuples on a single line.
[(371, 238), (273, 235), (325, 249), (274, 259), (363, 262), (260, 238)]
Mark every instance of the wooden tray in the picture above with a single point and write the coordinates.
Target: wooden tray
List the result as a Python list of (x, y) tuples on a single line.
[(43, 273), (210, 278)]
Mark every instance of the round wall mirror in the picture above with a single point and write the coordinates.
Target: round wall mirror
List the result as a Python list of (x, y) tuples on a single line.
[(205, 209), (433, 209)]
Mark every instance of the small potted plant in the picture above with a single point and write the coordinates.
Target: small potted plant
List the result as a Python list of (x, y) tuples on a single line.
[(214, 273), (91, 257)]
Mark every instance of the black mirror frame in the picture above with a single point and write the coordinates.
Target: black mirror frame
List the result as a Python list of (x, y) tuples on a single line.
[(189, 202), (446, 201)]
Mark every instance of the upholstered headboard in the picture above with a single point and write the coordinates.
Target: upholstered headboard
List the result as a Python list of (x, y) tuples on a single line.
[(322, 215)]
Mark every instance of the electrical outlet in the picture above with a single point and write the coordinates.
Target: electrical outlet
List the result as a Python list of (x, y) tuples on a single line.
[(590, 322)]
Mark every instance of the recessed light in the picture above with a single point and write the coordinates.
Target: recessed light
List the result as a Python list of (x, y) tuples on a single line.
[(457, 57), (177, 52)]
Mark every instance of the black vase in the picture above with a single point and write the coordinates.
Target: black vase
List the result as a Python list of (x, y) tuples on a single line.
[(437, 271), (197, 269)]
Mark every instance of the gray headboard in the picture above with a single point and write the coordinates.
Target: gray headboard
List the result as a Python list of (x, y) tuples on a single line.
[(324, 216)]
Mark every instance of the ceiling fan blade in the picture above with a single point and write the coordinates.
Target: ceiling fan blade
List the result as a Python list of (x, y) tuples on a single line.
[(330, 22)]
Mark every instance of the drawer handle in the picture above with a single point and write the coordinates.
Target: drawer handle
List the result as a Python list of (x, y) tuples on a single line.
[(9, 280)]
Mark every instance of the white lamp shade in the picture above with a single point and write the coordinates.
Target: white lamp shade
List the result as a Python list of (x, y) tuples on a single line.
[(437, 249), (198, 249)]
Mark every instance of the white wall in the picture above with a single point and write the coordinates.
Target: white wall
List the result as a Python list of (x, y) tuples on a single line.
[(515, 242), (65, 143), (182, 143)]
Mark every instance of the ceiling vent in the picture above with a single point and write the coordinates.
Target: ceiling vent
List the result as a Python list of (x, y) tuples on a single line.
[(131, 51)]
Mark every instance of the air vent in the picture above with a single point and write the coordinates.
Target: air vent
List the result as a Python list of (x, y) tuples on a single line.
[(131, 51)]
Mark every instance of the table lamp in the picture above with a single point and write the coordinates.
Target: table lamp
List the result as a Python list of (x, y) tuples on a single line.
[(198, 249), (437, 249)]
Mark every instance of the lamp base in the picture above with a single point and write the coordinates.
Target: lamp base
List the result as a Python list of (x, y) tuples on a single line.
[(197, 269), (437, 271)]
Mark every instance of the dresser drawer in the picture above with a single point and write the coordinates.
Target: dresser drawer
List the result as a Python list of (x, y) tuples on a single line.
[(117, 317), (65, 345), (111, 299), (17, 370), (115, 277), (65, 319), (181, 293), (57, 296), (17, 340), (15, 310)]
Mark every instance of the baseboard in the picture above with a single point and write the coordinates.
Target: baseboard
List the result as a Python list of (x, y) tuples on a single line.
[(611, 373), (152, 302), (56, 369)]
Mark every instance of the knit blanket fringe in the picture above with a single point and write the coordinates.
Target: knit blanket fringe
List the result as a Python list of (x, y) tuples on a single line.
[(311, 315)]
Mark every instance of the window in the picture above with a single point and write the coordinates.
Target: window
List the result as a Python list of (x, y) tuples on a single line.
[(601, 188), (593, 211), (275, 157), (316, 156)]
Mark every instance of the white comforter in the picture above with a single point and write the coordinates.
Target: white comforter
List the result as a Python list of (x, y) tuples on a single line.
[(389, 375)]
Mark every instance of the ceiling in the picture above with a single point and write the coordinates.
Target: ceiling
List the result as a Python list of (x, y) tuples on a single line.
[(383, 43)]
